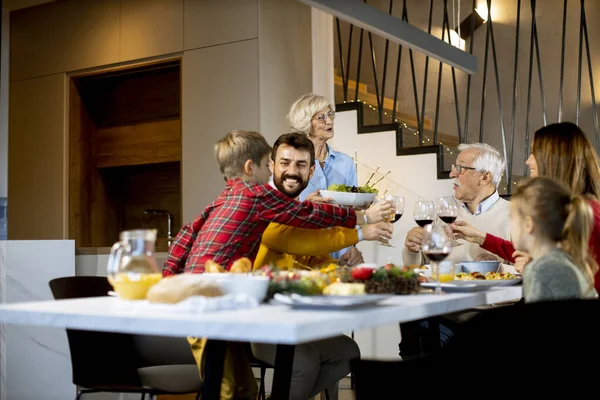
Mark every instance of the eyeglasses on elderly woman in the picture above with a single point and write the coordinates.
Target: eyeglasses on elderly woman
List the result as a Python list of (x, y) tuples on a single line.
[(322, 117)]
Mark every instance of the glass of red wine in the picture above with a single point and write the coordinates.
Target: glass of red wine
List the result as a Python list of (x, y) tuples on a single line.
[(398, 202), (447, 211), (424, 212), (437, 245)]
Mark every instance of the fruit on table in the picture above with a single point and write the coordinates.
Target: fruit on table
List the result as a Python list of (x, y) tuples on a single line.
[(133, 286), (361, 273)]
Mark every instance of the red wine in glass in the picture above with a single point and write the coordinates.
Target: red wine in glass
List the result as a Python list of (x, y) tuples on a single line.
[(448, 218), (423, 222), (397, 216), (437, 255)]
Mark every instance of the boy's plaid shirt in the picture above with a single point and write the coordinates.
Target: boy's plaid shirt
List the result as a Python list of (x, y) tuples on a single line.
[(232, 226)]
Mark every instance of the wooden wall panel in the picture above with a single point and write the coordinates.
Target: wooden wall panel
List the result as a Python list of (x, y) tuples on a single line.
[(212, 22), (64, 36), (92, 205), (151, 28), (144, 143), (37, 177), (220, 93)]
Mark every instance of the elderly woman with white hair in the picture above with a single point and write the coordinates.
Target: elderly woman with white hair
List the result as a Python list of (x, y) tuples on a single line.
[(314, 116), (476, 175)]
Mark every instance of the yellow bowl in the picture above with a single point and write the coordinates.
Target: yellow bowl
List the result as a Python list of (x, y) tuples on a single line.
[(133, 286)]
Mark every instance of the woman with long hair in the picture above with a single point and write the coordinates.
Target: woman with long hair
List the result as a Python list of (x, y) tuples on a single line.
[(561, 152), (554, 227)]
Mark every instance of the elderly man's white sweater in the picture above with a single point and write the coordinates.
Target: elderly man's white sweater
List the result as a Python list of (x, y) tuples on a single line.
[(494, 220)]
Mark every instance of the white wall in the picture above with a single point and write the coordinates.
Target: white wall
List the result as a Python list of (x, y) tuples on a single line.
[(412, 177)]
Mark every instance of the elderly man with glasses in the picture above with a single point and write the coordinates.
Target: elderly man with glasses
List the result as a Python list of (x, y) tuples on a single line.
[(476, 176)]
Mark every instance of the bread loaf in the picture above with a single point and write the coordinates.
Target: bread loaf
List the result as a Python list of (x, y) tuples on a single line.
[(174, 289)]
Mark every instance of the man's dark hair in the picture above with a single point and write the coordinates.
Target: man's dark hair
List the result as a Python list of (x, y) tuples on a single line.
[(298, 141)]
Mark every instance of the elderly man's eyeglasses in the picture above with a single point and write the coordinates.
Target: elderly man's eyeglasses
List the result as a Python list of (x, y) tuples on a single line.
[(323, 117), (460, 168)]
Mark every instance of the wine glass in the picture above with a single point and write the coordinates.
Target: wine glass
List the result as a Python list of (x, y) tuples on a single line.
[(447, 211), (398, 202), (424, 212), (437, 245)]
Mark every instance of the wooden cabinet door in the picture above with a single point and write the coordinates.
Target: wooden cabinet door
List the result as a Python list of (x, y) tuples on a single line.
[(37, 154)]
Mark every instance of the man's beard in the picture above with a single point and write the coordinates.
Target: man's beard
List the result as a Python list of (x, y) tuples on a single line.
[(280, 185)]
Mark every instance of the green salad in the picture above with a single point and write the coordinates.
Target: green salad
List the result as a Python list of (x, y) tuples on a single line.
[(352, 189)]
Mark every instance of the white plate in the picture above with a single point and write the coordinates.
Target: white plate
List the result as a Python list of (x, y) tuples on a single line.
[(329, 302), (349, 199), (470, 286)]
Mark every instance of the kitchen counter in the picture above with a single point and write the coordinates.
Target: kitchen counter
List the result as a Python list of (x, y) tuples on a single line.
[(93, 251)]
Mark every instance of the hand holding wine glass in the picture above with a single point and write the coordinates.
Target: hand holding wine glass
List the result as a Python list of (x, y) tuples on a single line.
[(394, 216)]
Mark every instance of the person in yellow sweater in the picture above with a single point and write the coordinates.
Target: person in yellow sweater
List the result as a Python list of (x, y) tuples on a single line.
[(318, 365)]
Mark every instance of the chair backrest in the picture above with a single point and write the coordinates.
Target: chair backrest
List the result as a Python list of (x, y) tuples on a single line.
[(97, 358), (539, 348)]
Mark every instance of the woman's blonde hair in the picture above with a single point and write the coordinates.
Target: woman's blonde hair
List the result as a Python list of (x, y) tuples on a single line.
[(564, 153), (560, 217), (304, 109), (236, 148)]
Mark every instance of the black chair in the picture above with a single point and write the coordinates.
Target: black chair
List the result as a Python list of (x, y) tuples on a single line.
[(540, 349), (115, 362)]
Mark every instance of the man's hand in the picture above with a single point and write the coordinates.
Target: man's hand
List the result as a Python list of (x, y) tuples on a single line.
[(380, 211), (522, 258), (351, 258), (316, 197), (466, 231), (414, 239), (378, 231)]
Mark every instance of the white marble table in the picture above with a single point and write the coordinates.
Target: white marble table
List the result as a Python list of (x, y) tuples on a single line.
[(267, 323)]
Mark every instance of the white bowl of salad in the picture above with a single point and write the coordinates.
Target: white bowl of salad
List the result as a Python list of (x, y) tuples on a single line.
[(344, 195)]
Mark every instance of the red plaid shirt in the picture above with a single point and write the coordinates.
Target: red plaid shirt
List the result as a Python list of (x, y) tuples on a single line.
[(232, 226)]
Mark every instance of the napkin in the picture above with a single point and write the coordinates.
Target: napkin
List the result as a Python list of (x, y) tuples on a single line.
[(195, 304)]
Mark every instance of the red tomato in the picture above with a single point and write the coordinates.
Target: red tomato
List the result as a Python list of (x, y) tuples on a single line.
[(362, 274)]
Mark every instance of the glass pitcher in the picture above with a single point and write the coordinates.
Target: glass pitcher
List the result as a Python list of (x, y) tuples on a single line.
[(132, 269)]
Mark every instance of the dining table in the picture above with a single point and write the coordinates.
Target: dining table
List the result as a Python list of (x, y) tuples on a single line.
[(272, 322)]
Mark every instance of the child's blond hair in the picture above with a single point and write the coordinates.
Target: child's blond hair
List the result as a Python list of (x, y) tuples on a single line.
[(236, 148)]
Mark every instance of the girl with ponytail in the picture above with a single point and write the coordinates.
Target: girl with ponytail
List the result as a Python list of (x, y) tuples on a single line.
[(554, 227)]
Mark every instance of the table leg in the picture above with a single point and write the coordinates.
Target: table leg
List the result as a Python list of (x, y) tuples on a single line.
[(213, 369), (282, 375)]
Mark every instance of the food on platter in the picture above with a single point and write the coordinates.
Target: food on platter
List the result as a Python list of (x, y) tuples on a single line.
[(387, 279), (464, 276), (294, 281), (212, 267), (174, 289), (344, 289), (351, 189), (240, 266), (134, 286)]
